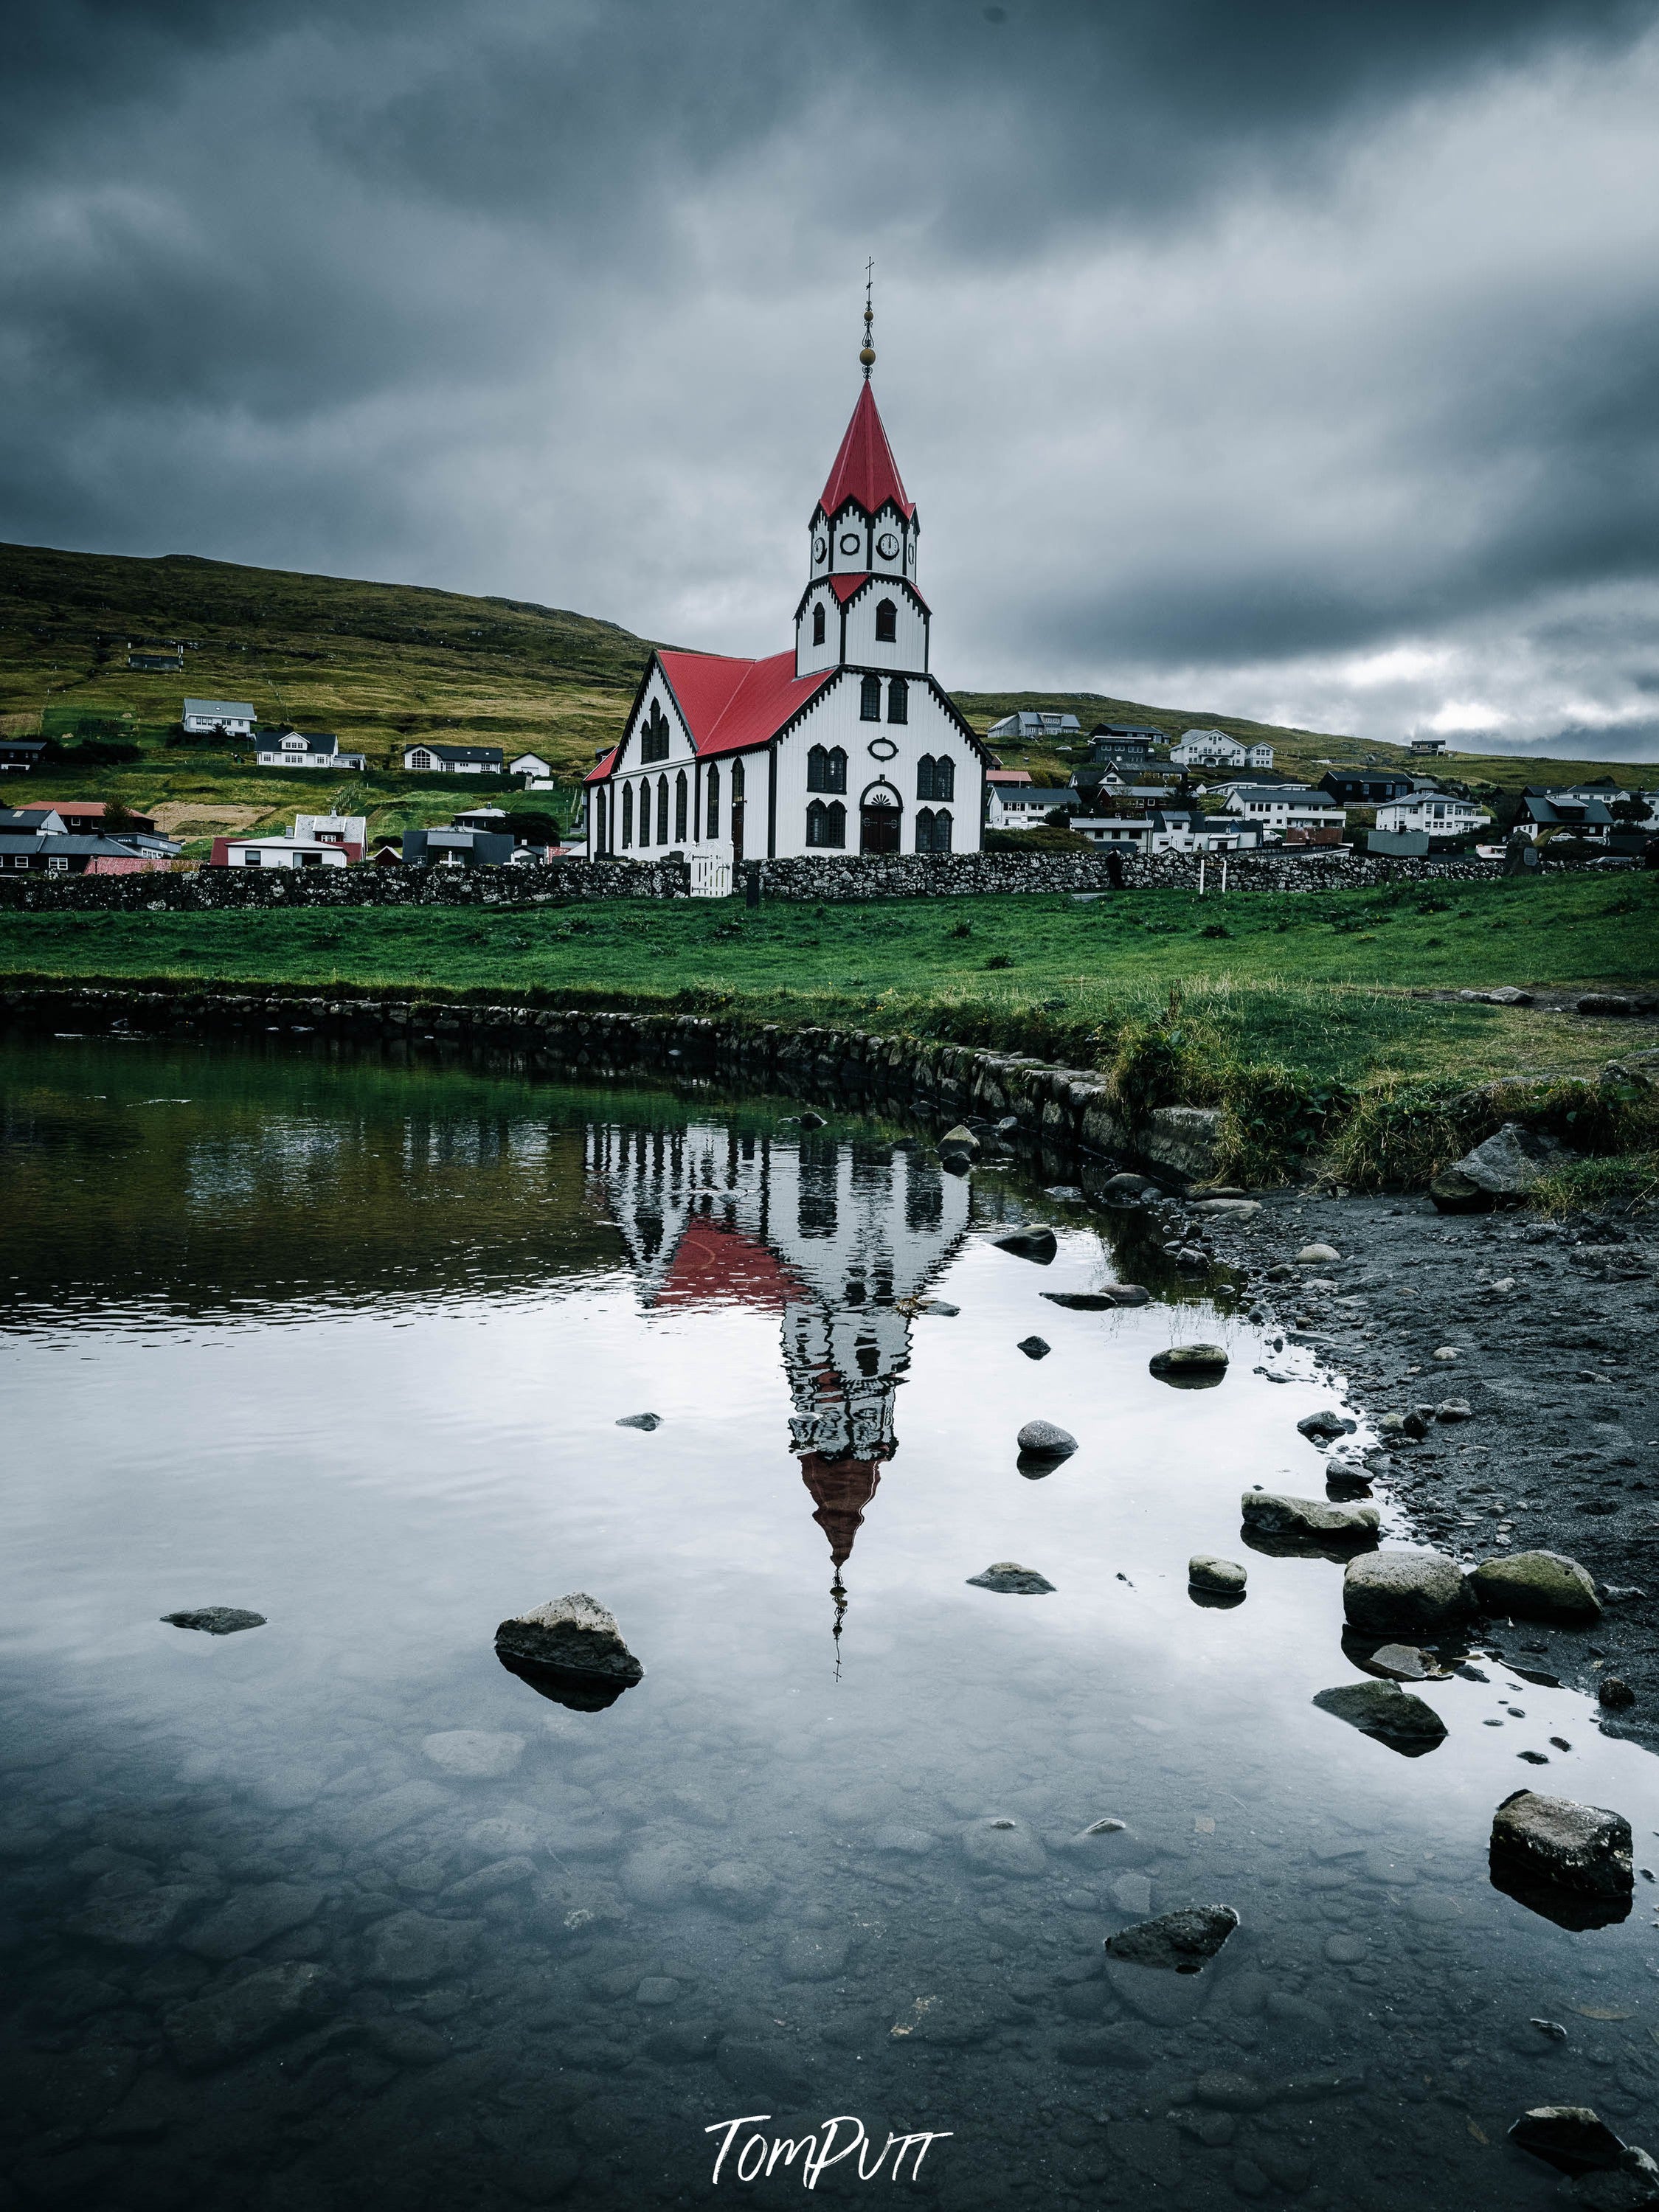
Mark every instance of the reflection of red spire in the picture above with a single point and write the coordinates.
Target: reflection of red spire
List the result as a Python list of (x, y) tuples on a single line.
[(841, 1488)]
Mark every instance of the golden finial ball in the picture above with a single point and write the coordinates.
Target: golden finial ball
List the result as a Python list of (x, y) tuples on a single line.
[(867, 356)]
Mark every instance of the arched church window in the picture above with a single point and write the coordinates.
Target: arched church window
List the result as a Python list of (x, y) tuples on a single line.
[(945, 777), (681, 805), (898, 701), (869, 699), (653, 734), (818, 623), (662, 809), (886, 621), (932, 831), (826, 823), (826, 769), (924, 769), (627, 814), (924, 829), (713, 802), (737, 781), (645, 812)]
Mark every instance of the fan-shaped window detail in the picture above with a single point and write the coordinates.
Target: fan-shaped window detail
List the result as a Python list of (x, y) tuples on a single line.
[(818, 623), (653, 734), (869, 699), (826, 769), (886, 621), (898, 701), (627, 814), (714, 814), (682, 804), (826, 823)]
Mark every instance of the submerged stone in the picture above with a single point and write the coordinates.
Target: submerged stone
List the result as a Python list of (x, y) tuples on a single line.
[(1383, 1710), (474, 1754), (1038, 1244), (226, 2025), (216, 1619), (1569, 2138), (1183, 1942), (1013, 1580), (1001, 1844)]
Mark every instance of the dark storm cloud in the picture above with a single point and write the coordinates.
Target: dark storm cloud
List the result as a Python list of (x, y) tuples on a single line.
[(466, 294)]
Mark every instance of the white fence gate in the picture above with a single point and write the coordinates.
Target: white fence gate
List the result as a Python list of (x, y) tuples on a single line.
[(711, 877)]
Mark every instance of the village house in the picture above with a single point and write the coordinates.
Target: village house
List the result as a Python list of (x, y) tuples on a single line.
[(1029, 728), (536, 772), (1290, 812), (316, 841), (305, 749), (20, 754), (453, 760), (846, 743), (1028, 806), (1366, 787), (1435, 813), (1428, 744), (1215, 749), (39, 841), (86, 817), (1122, 744), (229, 718)]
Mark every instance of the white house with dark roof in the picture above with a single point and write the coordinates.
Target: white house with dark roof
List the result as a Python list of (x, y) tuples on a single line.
[(453, 760), (1028, 805), (1282, 808), (845, 743), (234, 717), (1215, 749), (305, 749)]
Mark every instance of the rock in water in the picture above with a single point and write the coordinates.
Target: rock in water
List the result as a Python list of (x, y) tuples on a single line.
[(1614, 1693), (474, 1754), (647, 1421), (1189, 1366), (1569, 2138), (1567, 1845), (1536, 1586), (1013, 1580), (1383, 1710), (1324, 1428), (227, 2024), (1631, 2186), (1043, 1440), (216, 1619), (1033, 1347), (1509, 1163), (960, 1140), (572, 1636), (1403, 1593), (1001, 1844), (1406, 1662), (1183, 1942), (1273, 1514), (1038, 1244), (1207, 1572)]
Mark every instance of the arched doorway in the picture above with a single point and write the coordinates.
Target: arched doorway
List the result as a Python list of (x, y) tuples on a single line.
[(881, 817)]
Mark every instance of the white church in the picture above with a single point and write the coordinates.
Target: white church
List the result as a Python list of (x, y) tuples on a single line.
[(846, 744)]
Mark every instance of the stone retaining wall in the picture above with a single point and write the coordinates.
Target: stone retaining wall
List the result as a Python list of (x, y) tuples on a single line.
[(1067, 1111), (830, 880)]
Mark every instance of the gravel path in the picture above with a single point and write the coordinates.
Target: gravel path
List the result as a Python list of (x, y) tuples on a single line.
[(1553, 1328)]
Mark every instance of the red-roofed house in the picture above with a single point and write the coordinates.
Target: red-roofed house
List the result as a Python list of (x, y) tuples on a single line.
[(844, 743)]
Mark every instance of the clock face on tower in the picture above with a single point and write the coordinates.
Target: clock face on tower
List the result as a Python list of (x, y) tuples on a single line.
[(820, 549), (887, 545), (849, 543)]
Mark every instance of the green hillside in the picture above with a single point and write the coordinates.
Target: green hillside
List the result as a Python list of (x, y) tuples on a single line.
[(384, 663)]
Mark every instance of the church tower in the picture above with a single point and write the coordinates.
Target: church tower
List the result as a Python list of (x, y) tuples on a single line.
[(861, 608)]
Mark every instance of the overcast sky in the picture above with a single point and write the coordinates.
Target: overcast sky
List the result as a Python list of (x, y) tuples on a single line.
[(1294, 360)]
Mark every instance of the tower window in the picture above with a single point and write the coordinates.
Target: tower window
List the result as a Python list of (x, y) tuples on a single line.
[(714, 814), (653, 734), (826, 823), (886, 622), (869, 699), (662, 809), (627, 814), (826, 769), (682, 800), (818, 623), (898, 701)]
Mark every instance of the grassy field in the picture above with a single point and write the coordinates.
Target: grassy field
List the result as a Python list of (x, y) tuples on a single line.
[(385, 664)]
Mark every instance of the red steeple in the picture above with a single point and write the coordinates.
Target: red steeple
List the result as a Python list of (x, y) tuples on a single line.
[(864, 469)]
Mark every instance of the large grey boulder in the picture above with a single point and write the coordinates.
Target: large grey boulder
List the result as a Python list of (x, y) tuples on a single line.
[(1565, 1845), (1183, 1942), (1569, 2138), (1383, 1710), (572, 1635), (1536, 1586), (1509, 1162), (1044, 1440), (1270, 1513), (1403, 1593)]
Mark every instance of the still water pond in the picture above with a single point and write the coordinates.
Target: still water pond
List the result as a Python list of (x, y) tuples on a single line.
[(337, 1911)]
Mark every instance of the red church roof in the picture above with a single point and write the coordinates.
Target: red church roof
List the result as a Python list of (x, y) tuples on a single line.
[(864, 469), (729, 704)]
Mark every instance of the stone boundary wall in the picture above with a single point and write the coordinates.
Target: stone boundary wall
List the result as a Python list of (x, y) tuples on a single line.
[(824, 881), (1065, 1111)]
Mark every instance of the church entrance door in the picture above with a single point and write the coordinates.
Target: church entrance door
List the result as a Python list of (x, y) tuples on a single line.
[(880, 817)]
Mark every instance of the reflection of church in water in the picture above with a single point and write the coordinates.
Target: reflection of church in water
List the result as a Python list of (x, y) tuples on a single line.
[(837, 1237)]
